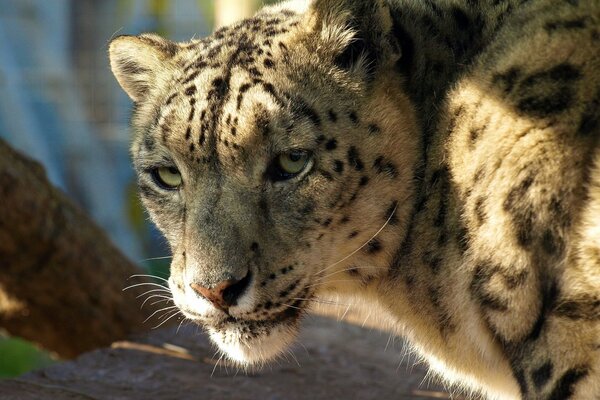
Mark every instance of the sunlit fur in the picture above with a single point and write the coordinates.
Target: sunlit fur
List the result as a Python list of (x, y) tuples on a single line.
[(453, 190)]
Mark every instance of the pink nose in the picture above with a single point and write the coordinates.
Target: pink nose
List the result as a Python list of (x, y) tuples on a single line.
[(224, 294)]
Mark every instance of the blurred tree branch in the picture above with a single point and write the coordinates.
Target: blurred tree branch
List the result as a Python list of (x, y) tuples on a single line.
[(61, 279), (230, 11)]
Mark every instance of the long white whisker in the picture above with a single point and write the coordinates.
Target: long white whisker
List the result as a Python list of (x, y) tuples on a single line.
[(366, 243), (152, 291), (290, 306), (184, 319), (321, 301), (156, 258), (325, 283), (162, 323), (153, 296), (148, 276), (347, 269), (164, 299), (157, 311), (216, 364), (142, 284), (291, 353)]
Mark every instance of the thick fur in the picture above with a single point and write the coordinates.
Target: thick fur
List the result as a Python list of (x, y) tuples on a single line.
[(455, 182)]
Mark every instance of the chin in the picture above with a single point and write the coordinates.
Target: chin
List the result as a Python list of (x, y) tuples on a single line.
[(254, 343)]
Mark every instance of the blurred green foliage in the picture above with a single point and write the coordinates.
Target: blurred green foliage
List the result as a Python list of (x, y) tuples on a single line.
[(19, 356)]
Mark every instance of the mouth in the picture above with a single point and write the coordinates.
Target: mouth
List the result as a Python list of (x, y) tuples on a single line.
[(248, 341)]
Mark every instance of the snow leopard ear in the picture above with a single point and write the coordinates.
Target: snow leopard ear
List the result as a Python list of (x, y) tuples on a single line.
[(357, 33), (139, 62)]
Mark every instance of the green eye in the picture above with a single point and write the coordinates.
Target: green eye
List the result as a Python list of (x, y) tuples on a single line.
[(290, 164), (167, 177)]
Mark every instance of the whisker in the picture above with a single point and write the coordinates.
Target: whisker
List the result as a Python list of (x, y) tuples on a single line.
[(157, 311), (162, 300), (148, 276), (153, 296), (321, 301), (156, 258), (142, 284), (348, 269), (366, 243), (216, 364), (325, 283), (152, 291), (162, 323), (290, 306), (184, 319), (291, 353), (345, 312)]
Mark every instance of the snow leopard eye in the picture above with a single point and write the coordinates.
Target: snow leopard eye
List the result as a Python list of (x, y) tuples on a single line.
[(167, 177), (289, 165)]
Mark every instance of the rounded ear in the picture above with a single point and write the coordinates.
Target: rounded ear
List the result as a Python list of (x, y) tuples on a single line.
[(357, 34), (138, 61)]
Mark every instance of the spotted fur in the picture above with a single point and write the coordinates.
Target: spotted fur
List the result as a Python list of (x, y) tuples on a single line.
[(455, 182)]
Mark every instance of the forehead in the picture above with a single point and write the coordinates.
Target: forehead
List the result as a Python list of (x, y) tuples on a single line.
[(229, 85)]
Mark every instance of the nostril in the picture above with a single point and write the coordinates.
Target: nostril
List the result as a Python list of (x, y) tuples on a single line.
[(224, 294), (232, 293)]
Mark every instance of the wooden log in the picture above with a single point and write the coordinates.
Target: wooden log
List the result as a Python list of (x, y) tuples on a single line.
[(61, 279), (336, 360)]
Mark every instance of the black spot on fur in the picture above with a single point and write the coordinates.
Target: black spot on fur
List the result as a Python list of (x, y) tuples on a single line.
[(462, 240), (338, 166), (269, 63), (478, 287), (520, 378), (326, 175), (353, 117), (385, 167), (590, 119), (149, 143), (190, 91), (307, 209), (585, 307), (549, 297), (541, 375), (565, 386), (373, 246), (331, 144), (363, 180), (300, 107), (563, 72), (171, 98), (548, 92), (479, 209), (190, 78), (352, 234), (332, 116), (354, 159), (521, 211), (577, 23), (374, 129), (507, 79)]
